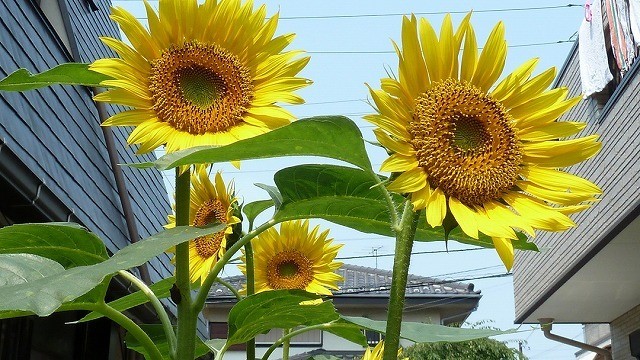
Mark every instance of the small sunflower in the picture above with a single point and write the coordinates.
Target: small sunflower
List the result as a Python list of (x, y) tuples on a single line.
[(375, 353), (203, 74), (295, 258), (486, 154), (209, 203)]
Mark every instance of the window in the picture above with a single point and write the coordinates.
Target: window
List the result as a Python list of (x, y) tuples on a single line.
[(309, 338), (373, 337)]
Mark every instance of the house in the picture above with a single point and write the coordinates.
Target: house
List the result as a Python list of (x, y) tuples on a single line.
[(591, 274), (56, 164), (364, 292)]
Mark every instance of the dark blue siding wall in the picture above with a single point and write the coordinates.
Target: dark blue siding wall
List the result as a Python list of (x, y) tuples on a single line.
[(56, 133)]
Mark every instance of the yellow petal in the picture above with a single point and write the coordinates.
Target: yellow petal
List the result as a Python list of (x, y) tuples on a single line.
[(500, 213), (554, 130), (436, 208), (492, 59), (504, 247), (559, 180), (430, 50), (399, 163), (397, 146), (561, 153), (464, 216), (469, 55), (556, 197), (410, 181), (514, 80), (530, 89)]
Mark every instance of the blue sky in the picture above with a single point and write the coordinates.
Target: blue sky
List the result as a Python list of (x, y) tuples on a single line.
[(344, 56)]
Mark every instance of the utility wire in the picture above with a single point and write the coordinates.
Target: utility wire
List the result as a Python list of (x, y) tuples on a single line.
[(380, 52), (413, 253), (350, 16)]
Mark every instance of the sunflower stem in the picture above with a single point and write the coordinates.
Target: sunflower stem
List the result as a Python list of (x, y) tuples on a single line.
[(285, 344), (131, 327), (391, 205), (402, 258), (157, 305), (198, 304), (251, 289), (187, 319)]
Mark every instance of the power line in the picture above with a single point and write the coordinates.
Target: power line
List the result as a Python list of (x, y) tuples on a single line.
[(349, 16), (413, 253), (382, 52)]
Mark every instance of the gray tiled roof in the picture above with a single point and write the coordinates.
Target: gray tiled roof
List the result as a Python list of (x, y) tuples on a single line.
[(366, 281)]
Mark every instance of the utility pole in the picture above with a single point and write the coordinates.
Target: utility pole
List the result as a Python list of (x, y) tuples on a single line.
[(374, 252)]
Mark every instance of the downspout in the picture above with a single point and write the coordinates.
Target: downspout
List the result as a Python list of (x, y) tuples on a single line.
[(121, 186), (547, 323)]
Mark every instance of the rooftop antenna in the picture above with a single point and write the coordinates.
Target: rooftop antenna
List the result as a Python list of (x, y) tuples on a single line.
[(374, 252)]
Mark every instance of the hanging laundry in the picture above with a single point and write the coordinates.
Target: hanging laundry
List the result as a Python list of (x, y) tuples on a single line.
[(594, 66), (622, 44), (634, 15)]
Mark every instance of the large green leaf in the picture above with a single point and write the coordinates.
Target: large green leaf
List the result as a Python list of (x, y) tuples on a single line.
[(16, 269), (334, 137), (156, 333), (253, 209), (282, 309), (69, 244), (420, 332), (44, 295), (350, 197), (65, 74), (161, 289)]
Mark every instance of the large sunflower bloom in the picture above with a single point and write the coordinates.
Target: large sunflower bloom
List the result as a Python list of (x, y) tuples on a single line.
[(207, 74), (295, 258), (209, 203), (486, 154)]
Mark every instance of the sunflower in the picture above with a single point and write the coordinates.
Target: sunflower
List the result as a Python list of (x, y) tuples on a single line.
[(203, 74), (209, 203), (295, 258), (487, 155), (375, 353)]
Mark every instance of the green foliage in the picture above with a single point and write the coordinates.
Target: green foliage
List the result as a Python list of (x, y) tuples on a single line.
[(65, 74), (43, 295), (334, 137), (284, 309), (161, 289), (428, 333), (253, 209), (485, 349), (69, 244), (157, 335)]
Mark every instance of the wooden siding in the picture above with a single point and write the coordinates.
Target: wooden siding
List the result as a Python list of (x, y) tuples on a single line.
[(616, 169), (56, 133)]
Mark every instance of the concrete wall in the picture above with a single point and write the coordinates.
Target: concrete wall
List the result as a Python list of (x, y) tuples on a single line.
[(620, 330), (616, 169)]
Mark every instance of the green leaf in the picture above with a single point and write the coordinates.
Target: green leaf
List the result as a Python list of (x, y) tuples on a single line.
[(421, 333), (259, 313), (334, 137), (44, 295), (273, 191), (65, 74), (16, 269), (156, 333), (215, 345), (253, 209), (160, 289), (69, 244), (350, 197), (346, 330)]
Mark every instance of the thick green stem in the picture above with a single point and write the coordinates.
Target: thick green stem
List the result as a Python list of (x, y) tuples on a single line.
[(404, 244), (251, 289), (157, 305), (286, 343), (391, 205), (198, 304), (187, 319), (131, 327)]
